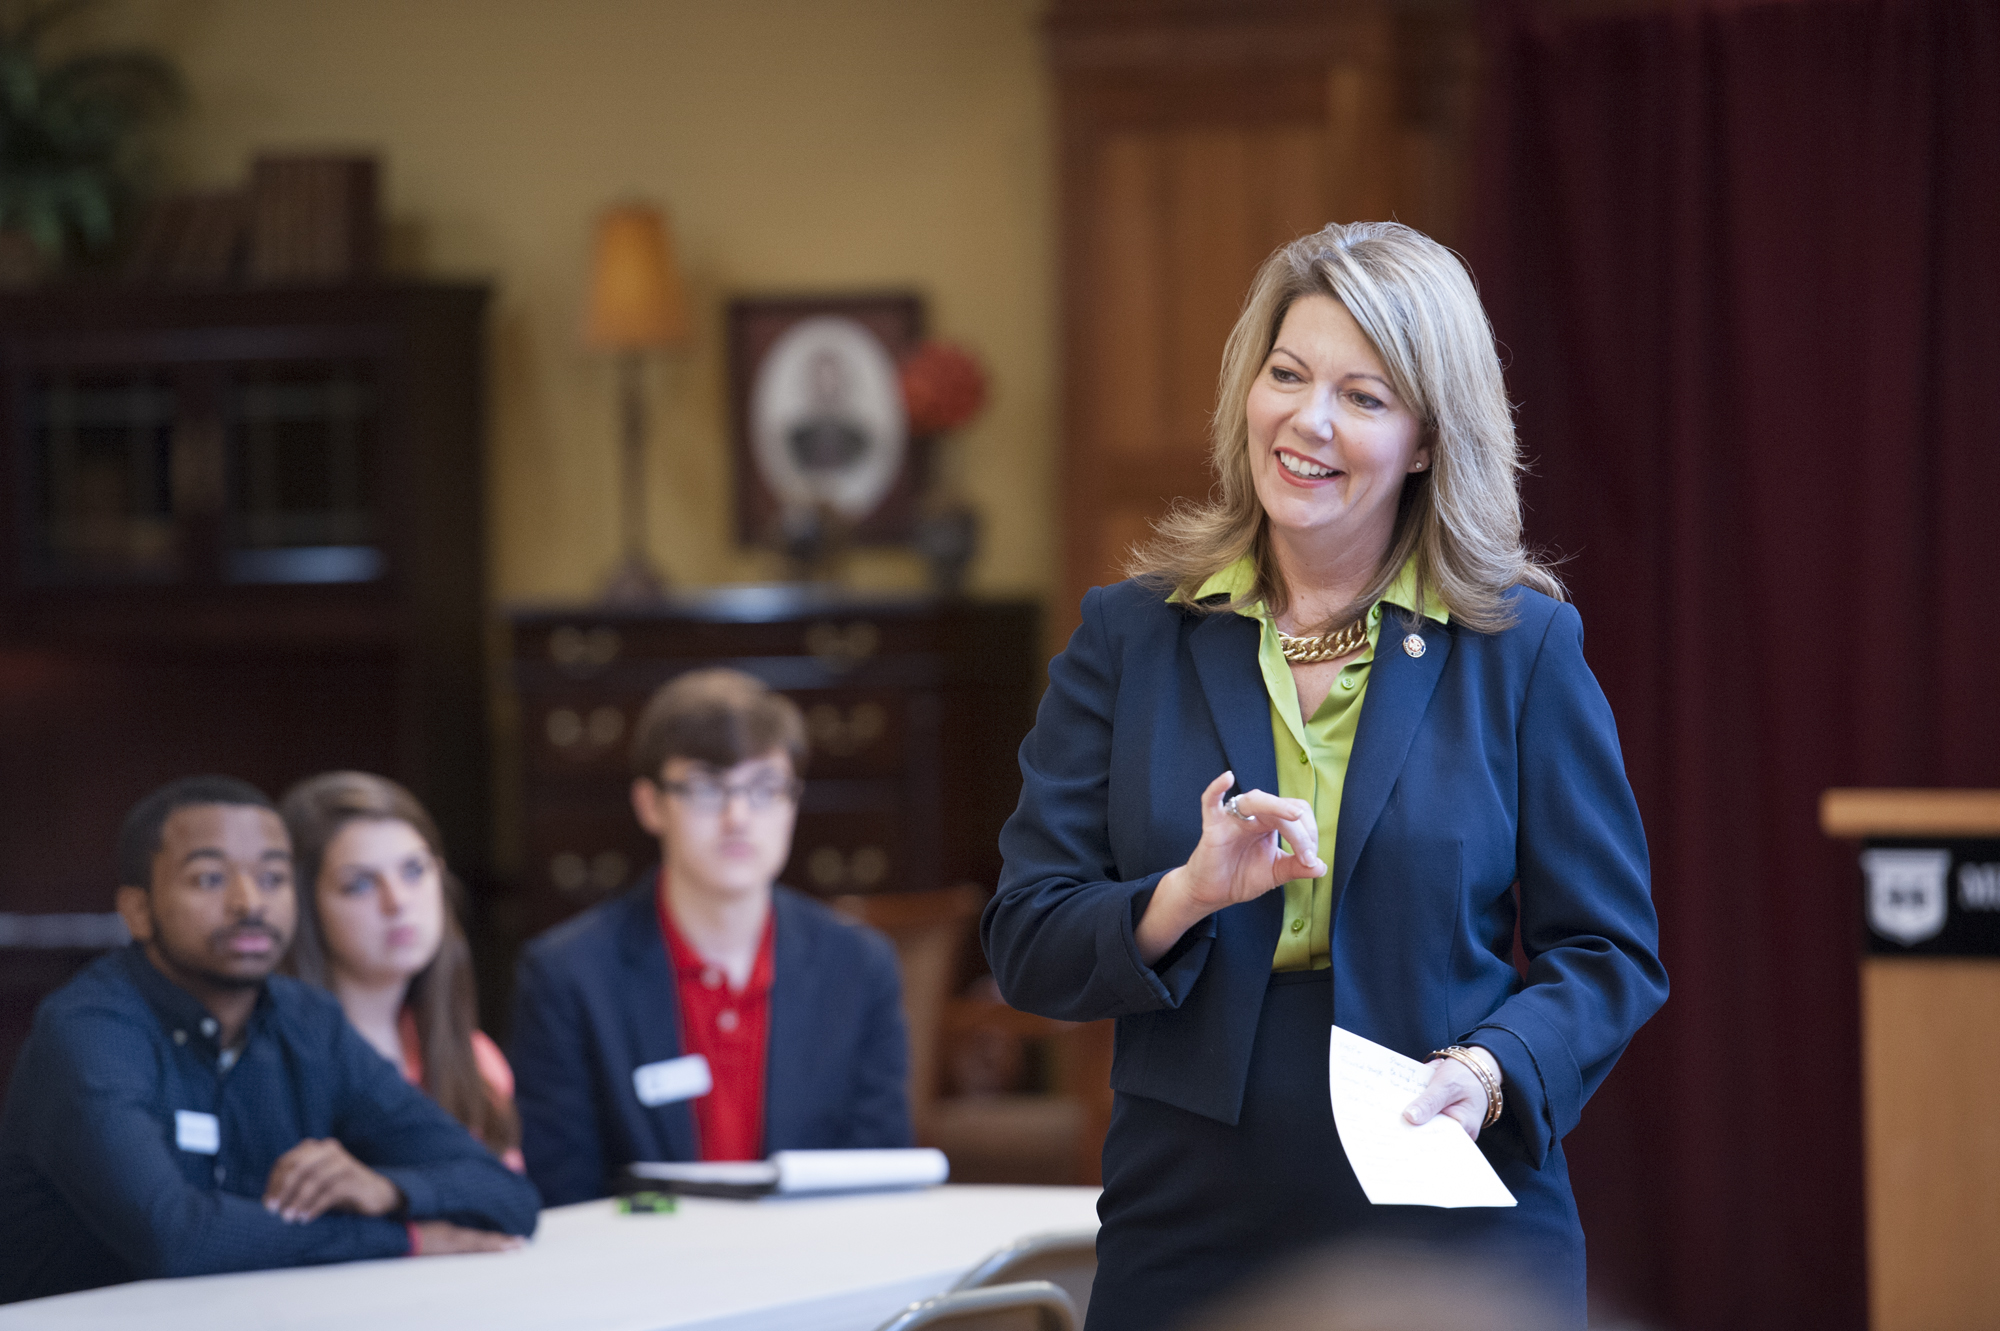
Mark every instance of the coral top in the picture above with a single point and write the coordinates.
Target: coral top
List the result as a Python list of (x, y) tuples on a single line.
[(493, 1070)]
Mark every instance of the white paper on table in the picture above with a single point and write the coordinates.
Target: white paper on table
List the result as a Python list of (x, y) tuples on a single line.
[(1398, 1164), (840, 1171), (804, 1171)]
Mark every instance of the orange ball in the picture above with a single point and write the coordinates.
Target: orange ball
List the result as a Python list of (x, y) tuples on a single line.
[(943, 387)]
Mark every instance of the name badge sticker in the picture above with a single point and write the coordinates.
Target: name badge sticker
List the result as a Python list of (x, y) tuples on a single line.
[(672, 1079), (200, 1133)]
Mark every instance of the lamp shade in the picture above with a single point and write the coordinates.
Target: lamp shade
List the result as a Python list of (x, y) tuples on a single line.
[(635, 285)]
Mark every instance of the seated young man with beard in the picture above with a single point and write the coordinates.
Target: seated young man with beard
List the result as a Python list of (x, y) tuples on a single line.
[(177, 1110), (708, 1013)]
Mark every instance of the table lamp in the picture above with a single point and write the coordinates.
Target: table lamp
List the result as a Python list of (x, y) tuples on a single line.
[(636, 306)]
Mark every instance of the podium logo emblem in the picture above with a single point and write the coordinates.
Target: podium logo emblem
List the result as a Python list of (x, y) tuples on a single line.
[(1979, 887), (1906, 892)]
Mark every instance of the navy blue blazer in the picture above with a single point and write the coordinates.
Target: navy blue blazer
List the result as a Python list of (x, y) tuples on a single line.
[(594, 999), (1486, 760)]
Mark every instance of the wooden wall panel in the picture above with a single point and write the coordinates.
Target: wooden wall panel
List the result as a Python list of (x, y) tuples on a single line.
[(1211, 195), (1123, 344), (1292, 163), (1364, 148), (1121, 529)]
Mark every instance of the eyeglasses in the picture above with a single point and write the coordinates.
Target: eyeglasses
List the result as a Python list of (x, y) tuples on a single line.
[(760, 793)]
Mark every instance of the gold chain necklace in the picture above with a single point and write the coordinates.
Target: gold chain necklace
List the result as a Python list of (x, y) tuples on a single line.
[(1325, 647)]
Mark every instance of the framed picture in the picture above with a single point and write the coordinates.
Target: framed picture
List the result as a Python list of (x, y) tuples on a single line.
[(817, 405)]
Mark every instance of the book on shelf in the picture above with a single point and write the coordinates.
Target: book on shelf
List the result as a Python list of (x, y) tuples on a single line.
[(313, 218), (200, 236)]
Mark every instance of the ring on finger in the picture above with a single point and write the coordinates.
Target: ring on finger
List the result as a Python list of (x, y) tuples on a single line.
[(1234, 812)]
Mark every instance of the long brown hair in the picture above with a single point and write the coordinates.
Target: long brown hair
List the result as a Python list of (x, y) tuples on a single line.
[(441, 995), (1461, 518)]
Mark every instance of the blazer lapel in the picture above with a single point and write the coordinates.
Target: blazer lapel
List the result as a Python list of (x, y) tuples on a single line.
[(1224, 647), (653, 1015), (1399, 691), (794, 981)]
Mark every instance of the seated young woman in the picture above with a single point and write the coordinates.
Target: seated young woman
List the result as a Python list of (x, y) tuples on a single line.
[(379, 929)]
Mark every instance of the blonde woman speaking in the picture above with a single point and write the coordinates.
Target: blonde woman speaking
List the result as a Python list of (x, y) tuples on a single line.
[(1314, 763)]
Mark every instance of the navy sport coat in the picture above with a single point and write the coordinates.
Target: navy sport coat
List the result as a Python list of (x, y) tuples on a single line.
[(1480, 761), (127, 1152), (595, 1000)]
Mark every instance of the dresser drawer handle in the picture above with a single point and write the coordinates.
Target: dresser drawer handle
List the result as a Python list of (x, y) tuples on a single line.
[(569, 872), (567, 729), (827, 867), (584, 651), (609, 869), (564, 728), (841, 649), (607, 726), (603, 872), (865, 868), (840, 735)]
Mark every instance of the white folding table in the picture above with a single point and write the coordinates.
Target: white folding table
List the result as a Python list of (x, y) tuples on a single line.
[(843, 1263)]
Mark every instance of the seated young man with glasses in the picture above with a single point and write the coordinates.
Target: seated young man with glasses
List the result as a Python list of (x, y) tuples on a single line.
[(708, 1013)]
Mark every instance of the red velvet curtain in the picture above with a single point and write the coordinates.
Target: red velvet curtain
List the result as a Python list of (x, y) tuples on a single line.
[(1745, 267)]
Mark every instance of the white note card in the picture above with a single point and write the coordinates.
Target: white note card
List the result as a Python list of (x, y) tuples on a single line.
[(1435, 1164), (200, 1133), (672, 1079)]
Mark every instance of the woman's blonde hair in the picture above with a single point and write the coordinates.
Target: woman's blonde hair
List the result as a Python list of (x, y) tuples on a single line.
[(1460, 518)]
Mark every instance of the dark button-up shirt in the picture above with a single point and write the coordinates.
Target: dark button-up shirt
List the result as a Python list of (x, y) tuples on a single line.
[(131, 1147)]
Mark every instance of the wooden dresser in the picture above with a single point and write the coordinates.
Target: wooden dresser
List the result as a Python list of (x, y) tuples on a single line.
[(916, 709)]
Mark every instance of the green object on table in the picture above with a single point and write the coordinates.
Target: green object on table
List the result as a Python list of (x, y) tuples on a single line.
[(648, 1203)]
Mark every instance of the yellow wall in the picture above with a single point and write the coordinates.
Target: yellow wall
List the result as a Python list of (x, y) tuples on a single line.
[(799, 145)]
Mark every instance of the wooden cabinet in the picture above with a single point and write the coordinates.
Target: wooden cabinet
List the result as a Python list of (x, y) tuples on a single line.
[(915, 709), (240, 531)]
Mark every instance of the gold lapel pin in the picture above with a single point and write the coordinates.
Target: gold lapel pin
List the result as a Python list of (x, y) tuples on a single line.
[(1414, 645)]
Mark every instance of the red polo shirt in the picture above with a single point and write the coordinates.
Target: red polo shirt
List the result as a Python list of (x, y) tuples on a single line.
[(730, 1028)]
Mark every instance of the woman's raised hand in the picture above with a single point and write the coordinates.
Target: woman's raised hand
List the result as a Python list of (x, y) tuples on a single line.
[(1238, 858)]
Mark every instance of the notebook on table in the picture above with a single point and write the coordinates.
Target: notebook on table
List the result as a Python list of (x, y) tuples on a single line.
[(790, 1173)]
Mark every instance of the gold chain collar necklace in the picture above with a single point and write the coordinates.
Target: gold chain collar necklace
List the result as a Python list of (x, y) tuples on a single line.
[(1326, 646)]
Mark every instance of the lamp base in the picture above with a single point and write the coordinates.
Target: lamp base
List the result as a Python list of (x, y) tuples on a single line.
[(815, 539), (635, 582), (948, 538)]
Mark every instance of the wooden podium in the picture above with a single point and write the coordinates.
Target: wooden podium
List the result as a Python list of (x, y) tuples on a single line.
[(1930, 1051)]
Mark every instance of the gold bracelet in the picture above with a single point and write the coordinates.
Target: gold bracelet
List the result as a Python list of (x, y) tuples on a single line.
[(1458, 1053)]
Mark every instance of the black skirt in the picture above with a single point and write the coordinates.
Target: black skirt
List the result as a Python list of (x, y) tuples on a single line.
[(1194, 1209)]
